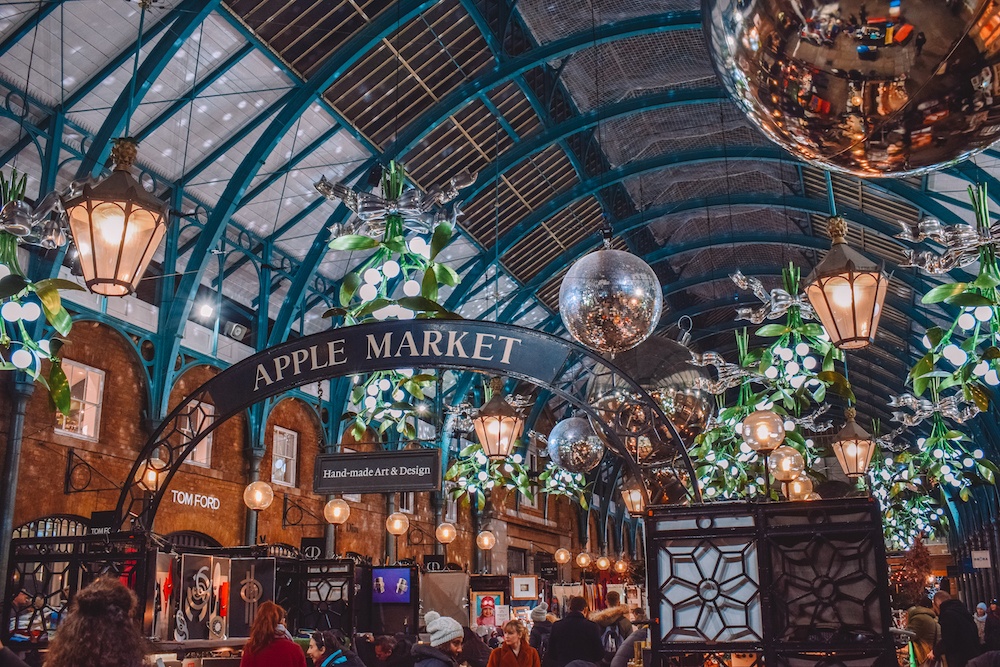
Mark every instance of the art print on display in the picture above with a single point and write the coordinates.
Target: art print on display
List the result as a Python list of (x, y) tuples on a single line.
[(524, 587), (484, 604)]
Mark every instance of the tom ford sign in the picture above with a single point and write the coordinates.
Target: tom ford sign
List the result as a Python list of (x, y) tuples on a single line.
[(379, 472), (366, 348)]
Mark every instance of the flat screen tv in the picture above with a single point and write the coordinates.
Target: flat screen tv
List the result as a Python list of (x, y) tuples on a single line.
[(390, 585)]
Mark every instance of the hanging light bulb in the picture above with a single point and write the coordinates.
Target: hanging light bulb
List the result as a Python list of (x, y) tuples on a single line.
[(486, 540), (785, 463), (847, 291), (603, 563), (763, 430), (621, 566), (397, 523)]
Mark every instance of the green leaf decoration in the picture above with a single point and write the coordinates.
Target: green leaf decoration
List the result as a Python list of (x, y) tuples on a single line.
[(59, 391), (934, 335), (837, 383), (421, 304), (53, 309), (371, 307), (969, 299), (442, 234), (447, 275), (923, 367), (353, 242), (348, 286), (772, 330), (812, 330), (992, 352), (965, 494), (429, 285), (942, 292), (11, 285), (334, 312), (59, 284), (980, 396), (986, 280), (986, 474), (395, 244)]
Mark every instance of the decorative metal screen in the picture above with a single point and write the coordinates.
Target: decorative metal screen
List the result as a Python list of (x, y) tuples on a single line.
[(790, 584)]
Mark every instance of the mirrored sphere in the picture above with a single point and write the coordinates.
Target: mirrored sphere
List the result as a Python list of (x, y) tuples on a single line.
[(865, 88), (610, 300), (574, 446)]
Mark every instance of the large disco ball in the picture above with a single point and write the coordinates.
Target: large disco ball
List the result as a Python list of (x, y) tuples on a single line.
[(574, 446), (610, 300), (896, 90)]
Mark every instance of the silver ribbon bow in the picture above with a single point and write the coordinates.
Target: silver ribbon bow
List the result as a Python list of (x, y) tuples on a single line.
[(730, 375), (809, 423), (962, 243), (953, 407), (421, 211), (776, 302)]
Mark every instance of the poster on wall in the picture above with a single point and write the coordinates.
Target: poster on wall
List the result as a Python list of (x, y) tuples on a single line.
[(219, 613), (391, 585), (251, 581), (191, 618), (163, 599), (484, 607)]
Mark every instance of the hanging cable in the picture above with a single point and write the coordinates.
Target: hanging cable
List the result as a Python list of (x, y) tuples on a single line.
[(143, 6)]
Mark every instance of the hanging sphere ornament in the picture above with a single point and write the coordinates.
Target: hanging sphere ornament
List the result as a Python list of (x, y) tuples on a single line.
[(799, 488), (785, 463), (621, 566), (574, 446), (258, 495), (763, 430), (610, 300), (933, 105)]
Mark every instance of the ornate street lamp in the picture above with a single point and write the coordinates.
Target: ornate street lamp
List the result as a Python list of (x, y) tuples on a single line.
[(337, 511), (258, 495), (397, 523), (498, 425), (854, 447), (486, 540), (446, 533), (847, 291), (117, 226)]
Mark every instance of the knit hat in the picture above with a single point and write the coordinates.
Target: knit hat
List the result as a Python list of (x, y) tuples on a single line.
[(442, 628), (538, 613), (981, 605), (488, 602)]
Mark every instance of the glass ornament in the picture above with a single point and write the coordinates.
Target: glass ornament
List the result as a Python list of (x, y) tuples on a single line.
[(486, 540), (574, 446), (785, 463), (763, 430), (446, 533), (337, 511)]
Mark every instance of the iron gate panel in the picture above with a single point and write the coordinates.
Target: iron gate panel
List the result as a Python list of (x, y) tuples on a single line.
[(787, 584)]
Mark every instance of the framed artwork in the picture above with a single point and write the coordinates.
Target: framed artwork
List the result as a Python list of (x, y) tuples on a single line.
[(521, 613), (484, 605), (523, 587)]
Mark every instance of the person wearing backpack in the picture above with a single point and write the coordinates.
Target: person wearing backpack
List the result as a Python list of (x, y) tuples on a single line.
[(615, 626), (574, 638), (541, 628)]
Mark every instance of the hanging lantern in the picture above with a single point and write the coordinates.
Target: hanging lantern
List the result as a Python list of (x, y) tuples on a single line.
[(150, 475), (563, 556), (397, 523), (798, 488), (258, 495), (785, 463), (854, 447), (117, 226), (603, 563), (847, 290), (446, 533), (583, 559), (763, 431), (634, 496), (621, 566), (337, 511), (486, 540), (498, 425)]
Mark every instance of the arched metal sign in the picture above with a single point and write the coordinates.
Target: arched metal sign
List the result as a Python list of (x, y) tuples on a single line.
[(525, 354)]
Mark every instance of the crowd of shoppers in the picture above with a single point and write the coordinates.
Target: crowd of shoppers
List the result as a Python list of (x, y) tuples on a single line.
[(945, 632)]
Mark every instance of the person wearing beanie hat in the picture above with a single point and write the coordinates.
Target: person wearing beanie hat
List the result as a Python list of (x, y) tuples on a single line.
[(446, 642), (992, 630), (980, 618), (541, 628)]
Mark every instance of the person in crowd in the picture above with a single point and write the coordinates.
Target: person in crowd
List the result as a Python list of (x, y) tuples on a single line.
[(8, 659), (991, 632), (616, 614), (474, 649), (980, 618), (919, 42), (959, 641), (326, 650), (574, 637), (541, 628), (626, 651), (515, 651), (269, 644), (445, 648), (922, 622)]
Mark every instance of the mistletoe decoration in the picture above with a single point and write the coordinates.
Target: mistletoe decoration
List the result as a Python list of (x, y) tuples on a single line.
[(474, 475), (392, 399), (23, 302)]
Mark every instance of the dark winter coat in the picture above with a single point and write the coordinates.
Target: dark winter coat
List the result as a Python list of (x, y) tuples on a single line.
[(281, 652), (959, 641), (992, 632), (574, 638), (540, 632), (922, 622), (988, 659), (428, 656), (627, 650), (8, 659), (474, 649), (614, 615)]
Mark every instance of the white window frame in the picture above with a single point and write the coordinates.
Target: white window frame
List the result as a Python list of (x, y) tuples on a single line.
[(407, 502), (68, 366), (294, 459), (450, 508), (201, 456), (530, 466)]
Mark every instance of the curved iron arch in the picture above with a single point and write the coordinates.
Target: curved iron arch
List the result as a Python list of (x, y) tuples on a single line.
[(550, 359)]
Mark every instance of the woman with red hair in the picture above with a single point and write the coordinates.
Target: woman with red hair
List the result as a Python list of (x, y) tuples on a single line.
[(269, 644)]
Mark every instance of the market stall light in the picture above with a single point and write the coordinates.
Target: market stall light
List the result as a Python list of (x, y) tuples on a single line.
[(799, 488), (583, 559), (603, 563), (563, 556), (847, 291), (498, 425), (621, 566), (337, 511), (117, 226), (854, 447), (486, 540), (446, 533), (397, 523), (258, 495)]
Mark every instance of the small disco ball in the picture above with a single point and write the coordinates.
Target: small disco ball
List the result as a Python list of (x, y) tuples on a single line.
[(870, 89), (574, 446), (610, 301)]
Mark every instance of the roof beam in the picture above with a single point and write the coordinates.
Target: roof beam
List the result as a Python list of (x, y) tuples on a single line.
[(29, 25)]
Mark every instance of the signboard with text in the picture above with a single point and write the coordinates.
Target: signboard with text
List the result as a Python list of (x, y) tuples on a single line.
[(981, 560), (378, 472)]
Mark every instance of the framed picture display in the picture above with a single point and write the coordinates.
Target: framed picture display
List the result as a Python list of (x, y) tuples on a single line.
[(483, 609), (523, 587)]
